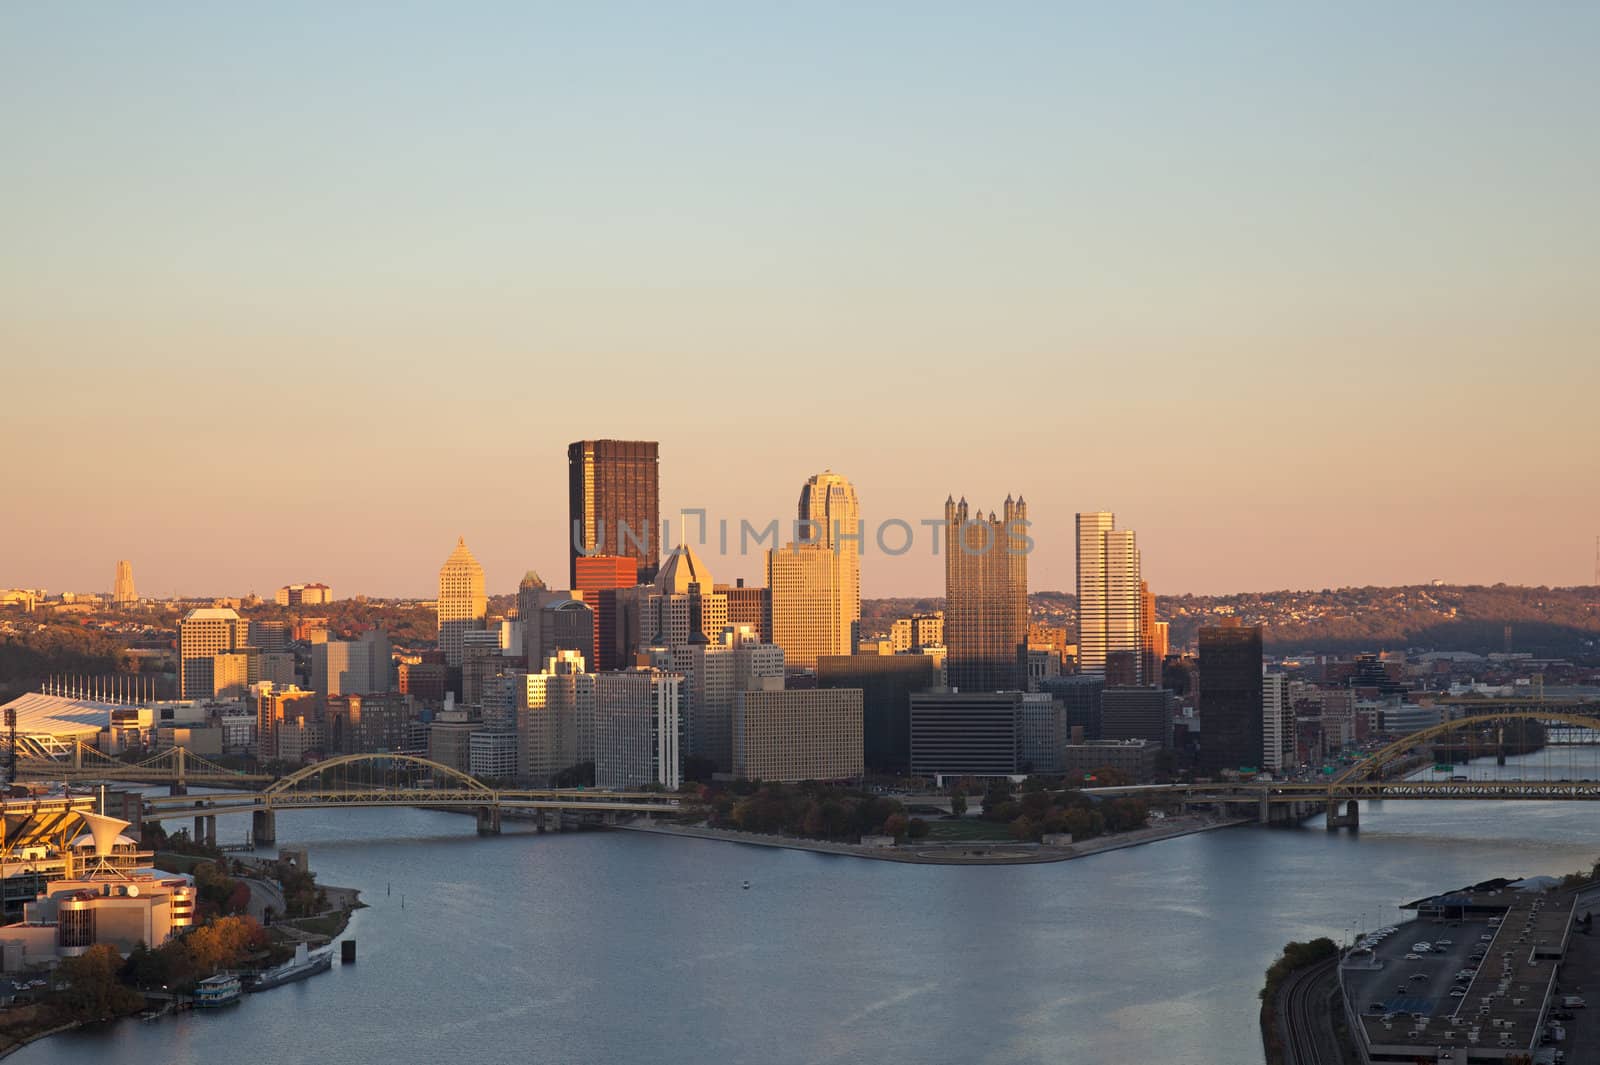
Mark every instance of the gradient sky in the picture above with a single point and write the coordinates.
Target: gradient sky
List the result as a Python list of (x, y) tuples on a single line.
[(1306, 294)]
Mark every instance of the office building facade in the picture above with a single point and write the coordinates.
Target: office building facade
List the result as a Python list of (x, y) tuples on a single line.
[(986, 597), (462, 602), (614, 503), (797, 735), (1230, 698)]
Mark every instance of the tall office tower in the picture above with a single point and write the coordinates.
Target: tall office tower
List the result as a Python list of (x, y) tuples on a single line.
[(462, 604), (1277, 724), (986, 597), (829, 506), (598, 575), (1149, 660), (682, 608), (614, 503), (1230, 698), (815, 582), (122, 593), (204, 633), (1109, 604)]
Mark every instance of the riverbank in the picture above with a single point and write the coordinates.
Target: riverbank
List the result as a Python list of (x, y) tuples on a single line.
[(13, 1041), (998, 852)]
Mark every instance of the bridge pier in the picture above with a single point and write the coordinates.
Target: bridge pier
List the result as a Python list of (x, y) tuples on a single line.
[(1351, 818), (488, 820), (205, 829), (177, 789), (1264, 814), (264, 827)]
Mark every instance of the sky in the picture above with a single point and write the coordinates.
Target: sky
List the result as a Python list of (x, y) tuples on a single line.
[(1306, 294)]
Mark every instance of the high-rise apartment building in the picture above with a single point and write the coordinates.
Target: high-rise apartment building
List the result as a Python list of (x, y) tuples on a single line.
[(462, 602), (986, 597), (614, 503), (638, 729), (122, 592), (917, 631), (815, 582), (1230, 698), (1110, 606), (204, 633), (287, 724), (1278, 740)]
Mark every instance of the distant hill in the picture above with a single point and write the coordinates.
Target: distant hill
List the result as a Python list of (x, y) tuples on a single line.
[(1556, 622)]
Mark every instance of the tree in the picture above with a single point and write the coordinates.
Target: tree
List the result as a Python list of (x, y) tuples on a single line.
[(958, 803), (917, 828), (94, 988), (896, 825)]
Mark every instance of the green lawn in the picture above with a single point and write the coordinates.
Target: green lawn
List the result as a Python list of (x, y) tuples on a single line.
[(968, 829)]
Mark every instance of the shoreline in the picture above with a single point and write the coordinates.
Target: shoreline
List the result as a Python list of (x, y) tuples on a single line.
[(998, 852), (36, 1036)]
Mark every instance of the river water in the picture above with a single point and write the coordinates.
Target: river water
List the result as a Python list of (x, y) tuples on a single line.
[(617, 947)]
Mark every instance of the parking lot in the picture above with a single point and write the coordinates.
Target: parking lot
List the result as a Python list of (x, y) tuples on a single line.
[(1410, 986)]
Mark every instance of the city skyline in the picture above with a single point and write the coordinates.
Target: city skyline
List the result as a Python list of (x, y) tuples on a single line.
[(1296, 298)]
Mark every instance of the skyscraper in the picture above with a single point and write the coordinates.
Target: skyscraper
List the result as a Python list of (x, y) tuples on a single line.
[(462, 603), (614, 503), (986, 597), (1109, 604), (203, 634), (122, 593), (1230, 698), (1149, 657), (815, 582)]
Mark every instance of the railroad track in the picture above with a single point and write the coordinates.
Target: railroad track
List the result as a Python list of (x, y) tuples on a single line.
[(1302, 1017)]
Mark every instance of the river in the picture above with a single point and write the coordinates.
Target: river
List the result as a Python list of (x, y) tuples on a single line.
[(614, 947)]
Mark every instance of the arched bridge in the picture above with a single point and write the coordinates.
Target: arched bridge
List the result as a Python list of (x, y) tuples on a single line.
[(1374, 777), (357, 780)]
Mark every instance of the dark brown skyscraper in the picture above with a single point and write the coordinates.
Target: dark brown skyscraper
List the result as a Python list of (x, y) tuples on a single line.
[(614, 503), (1230, 698), (986, 597)]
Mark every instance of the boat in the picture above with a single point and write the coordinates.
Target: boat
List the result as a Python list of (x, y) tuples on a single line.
[(216, 991), (304, 963), (747, 885)]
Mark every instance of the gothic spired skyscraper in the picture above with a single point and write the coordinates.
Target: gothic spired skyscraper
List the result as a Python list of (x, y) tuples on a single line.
[(1110, 607), (462, 603), (122, 593), (614, 503), (815, 584), (986, 597)]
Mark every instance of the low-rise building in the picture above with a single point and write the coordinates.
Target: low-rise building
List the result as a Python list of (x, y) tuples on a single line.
[(812, 734)]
